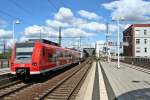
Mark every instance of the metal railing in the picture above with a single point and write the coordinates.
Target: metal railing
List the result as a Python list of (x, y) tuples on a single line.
[(133, 60)]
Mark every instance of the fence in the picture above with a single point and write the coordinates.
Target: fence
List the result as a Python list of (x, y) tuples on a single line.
[(4, 63), (134, 60)]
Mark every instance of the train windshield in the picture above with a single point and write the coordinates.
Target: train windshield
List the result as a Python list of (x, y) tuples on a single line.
[(24, 51)]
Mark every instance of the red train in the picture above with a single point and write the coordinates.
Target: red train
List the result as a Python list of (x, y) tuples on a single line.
[(40, 56)]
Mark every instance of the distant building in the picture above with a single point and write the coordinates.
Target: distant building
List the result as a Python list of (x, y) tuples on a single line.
[(137, 40)]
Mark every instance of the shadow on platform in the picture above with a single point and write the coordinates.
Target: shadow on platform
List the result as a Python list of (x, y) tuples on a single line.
[(140, 94)]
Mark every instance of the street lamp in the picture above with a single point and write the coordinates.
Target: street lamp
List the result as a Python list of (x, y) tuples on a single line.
[(118, 18), (13, 28)]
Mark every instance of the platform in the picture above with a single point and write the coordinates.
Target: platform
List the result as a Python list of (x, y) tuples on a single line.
[(93, 87), (126, 83), (4, 71)]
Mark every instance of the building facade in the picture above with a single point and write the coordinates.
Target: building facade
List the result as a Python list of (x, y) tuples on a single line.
[(137, 40)]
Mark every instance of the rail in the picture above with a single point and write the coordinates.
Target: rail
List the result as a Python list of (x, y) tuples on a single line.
[(66, 87)]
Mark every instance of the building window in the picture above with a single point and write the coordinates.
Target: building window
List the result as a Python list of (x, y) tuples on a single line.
[(145, 41), (145, 49), (137, 30), (137, 41), (137, 51), (144, 32)]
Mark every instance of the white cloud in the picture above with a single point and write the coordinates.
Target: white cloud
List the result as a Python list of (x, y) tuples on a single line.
[(49, 31), (64, 14), (10, 43), (89, 15), (76, 32), (94, 26), (3, 23), (135, 10), (98, 27), (23, 39), (56, 24), (5, 33), (125, 26), (112, 27), (32, 30), (35, 30), (72, 26)]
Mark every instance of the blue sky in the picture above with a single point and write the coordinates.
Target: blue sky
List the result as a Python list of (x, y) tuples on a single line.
[(76, 17)]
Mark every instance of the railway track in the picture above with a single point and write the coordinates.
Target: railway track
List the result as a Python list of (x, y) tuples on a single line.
[(64, 90), (6, 78), (11, 88), (63, 86)]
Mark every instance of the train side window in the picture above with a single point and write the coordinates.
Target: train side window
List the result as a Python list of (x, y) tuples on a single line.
[(61, 55), (55, 57), (50, 57), (43, 51)]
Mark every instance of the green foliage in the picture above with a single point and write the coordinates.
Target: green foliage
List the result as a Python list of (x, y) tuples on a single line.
[(6, 55)]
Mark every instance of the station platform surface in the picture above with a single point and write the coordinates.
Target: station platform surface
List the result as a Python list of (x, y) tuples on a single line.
[(93, 87), (4, 71), (127, 83)]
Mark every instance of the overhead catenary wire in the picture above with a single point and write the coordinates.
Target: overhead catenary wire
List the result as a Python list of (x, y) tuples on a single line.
[(22, 8), (13, 17), (51, 3), (19, 6), (7, 14)]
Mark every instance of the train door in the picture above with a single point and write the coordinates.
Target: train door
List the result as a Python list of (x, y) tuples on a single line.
[(43, 58), (57, 58)]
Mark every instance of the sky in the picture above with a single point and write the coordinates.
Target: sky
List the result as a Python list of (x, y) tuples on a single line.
[(77, 18)]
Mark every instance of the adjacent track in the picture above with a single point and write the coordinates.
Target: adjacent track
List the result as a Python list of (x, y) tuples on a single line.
[(65, 89), (11, 88), (64, 86)]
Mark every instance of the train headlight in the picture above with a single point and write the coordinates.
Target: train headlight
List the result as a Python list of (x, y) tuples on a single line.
[(34, 64)]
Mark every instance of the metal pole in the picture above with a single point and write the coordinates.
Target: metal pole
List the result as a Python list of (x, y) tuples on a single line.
[(13, 30), (80, 41), (40, 35), (4, 48), (107, 47), (115, 48), (118, 41), (60, 36)]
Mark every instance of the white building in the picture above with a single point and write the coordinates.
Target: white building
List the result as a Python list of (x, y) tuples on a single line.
[(137, 36)]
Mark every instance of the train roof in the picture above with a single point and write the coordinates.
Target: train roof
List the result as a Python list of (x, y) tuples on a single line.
[(31, 41), (44, 41)]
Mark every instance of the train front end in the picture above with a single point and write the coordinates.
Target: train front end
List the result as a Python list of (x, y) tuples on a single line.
[(25, 59)]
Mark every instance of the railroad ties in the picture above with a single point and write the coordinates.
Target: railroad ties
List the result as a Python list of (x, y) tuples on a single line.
[(9, 89), (63, 86), (68, 87)]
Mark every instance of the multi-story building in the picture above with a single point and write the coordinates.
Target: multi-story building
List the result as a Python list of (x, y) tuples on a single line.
[(137, 40)]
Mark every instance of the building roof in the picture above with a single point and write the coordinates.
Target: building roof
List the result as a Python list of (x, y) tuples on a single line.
[(136, 25), (140, 25)]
